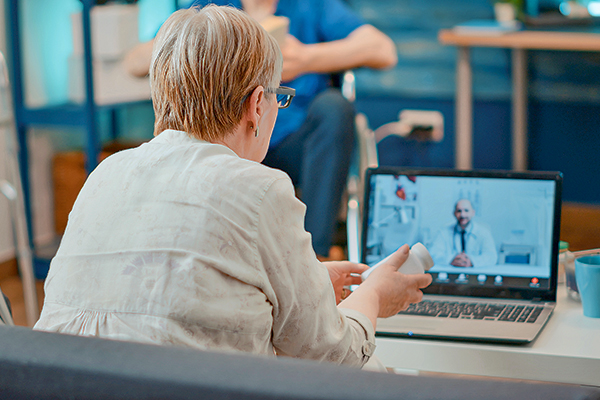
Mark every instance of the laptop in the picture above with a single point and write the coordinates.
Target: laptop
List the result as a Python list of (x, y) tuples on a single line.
[(498, 282)]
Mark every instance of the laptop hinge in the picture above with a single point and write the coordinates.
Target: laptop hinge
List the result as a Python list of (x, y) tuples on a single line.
[(537, 299)]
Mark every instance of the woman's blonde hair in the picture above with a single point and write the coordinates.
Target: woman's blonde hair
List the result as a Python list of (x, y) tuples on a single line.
[(205, 64)]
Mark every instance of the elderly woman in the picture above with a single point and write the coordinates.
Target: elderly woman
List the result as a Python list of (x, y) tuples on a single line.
[(189, 240)]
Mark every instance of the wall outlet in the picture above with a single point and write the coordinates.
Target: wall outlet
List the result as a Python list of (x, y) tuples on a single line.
[(424, 125)]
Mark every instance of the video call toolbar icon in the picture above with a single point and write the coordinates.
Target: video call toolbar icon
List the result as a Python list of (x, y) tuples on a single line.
[(442, 277), (535, 282)]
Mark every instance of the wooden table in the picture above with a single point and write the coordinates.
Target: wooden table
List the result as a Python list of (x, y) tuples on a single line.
[(519, 42)]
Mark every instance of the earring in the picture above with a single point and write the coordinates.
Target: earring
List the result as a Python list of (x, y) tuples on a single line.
[(256, 132)]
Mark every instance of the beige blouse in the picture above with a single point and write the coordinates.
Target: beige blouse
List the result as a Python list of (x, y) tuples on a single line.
[(182, 242)]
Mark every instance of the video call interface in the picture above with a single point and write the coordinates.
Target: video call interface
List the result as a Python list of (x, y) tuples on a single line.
[(503, 228)]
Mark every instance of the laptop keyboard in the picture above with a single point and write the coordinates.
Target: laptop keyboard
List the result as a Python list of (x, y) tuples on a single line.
[(484, 311)]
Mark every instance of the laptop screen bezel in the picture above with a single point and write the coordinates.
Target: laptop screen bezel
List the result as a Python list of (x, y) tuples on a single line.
[(541, 294)]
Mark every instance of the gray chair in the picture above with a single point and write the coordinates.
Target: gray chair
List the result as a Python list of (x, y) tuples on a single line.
[(424, 125), (11, 189), (366, 158), (41, 365)]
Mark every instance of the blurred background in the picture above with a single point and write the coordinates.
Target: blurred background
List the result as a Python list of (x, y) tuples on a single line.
[(563, 119)]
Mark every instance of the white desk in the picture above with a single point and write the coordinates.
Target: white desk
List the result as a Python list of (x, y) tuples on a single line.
[(519, 42), (567, 351)]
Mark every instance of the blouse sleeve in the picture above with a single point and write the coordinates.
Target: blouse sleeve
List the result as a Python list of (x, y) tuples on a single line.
[(306, 322)]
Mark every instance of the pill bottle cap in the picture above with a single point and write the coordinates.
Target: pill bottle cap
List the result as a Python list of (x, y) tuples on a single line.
[(563, 246), (423, 255)]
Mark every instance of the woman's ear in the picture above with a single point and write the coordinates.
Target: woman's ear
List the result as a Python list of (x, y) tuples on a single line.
[(256, 107)]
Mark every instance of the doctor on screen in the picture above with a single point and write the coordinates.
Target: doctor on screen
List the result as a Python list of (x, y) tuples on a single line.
[(464, 243)]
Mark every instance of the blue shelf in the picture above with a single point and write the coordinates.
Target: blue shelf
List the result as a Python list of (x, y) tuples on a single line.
[(68, 114), (83, 115)]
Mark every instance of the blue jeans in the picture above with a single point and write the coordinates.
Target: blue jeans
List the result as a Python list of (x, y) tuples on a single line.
[(317, 158)]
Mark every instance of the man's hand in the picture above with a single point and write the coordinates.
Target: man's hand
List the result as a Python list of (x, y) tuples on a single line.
[(295, 58), (259, 9), (137, 60), (462, 260), (340, 275), (364, 47)]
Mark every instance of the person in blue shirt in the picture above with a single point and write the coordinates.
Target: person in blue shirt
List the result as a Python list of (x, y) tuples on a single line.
[(313, 139)]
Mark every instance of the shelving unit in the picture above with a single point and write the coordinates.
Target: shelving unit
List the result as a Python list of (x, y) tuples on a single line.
[(84, 115)]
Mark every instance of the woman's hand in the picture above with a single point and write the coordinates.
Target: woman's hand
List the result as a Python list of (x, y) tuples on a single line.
[(396, 291), (388, 291), (340, 275)]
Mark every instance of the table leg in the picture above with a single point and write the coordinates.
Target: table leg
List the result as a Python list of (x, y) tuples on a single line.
[(464, 110), (519, 110)]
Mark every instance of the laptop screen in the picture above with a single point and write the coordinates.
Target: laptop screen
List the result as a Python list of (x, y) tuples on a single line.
[(490, 234)]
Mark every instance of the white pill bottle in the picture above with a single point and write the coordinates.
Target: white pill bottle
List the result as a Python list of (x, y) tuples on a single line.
[(419, 260)]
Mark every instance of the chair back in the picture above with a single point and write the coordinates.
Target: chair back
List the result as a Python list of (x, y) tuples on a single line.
[(364, 157), (42, 365)]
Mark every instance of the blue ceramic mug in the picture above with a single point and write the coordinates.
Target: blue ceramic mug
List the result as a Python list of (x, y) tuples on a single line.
[(587, 274)]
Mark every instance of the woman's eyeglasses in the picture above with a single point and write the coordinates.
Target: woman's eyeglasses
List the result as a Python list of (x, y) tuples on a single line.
[(284, 96)]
